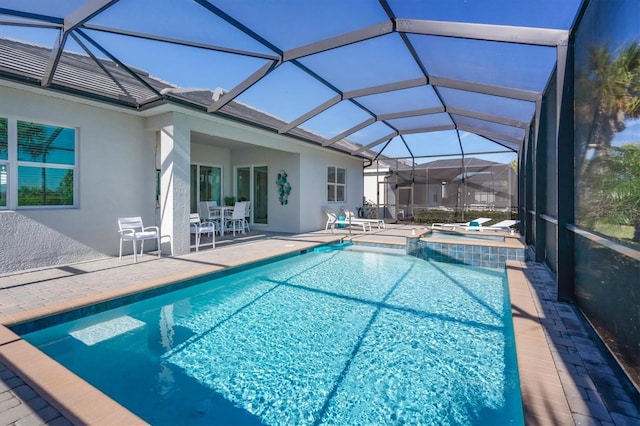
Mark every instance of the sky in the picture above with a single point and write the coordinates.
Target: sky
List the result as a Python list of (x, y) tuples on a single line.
[(630, 134), (288, 92)]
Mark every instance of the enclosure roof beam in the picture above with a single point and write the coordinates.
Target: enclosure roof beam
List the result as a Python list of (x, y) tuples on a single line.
[(487, 89), (489, 117), (375, 143), (489, 32), (179, 42), (491, 135), (339, 41)]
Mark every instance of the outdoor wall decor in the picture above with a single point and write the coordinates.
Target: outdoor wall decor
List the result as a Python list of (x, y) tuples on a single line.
[(284, 187)]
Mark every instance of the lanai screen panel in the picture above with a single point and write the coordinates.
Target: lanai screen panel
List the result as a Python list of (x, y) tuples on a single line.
[(278, 93), (489, 126), (497, 106), (521, 66), (403, 100), (434, 143), (336, 73), (523, 13)]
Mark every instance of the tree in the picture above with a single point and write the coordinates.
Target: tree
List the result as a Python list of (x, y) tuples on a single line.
[(615, 189), (607, 95), (34, 140), (607, 92)]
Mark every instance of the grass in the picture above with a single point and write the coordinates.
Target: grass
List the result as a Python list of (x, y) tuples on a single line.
[(622, 233)]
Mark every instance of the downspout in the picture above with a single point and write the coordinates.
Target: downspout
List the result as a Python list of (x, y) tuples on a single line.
[(364, 166)]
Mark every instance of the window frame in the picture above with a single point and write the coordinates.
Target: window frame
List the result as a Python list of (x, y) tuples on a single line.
[(333, 186), (13, 166)]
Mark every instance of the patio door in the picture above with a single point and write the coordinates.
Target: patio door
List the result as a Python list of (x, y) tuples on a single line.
[(251, 185), (404, 209), (206, 184)]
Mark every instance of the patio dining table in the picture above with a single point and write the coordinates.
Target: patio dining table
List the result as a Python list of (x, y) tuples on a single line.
[(224, 212)]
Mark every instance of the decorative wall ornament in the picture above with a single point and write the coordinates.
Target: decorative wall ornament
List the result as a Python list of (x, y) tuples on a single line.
[(284, 187)]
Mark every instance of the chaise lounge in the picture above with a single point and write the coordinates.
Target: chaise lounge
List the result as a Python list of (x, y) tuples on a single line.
[(475, 224), (505, 225), (333, 220), (349, 214)]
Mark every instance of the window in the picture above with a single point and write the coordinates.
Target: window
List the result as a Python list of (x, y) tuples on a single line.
[(37, 164), (336, 177), (485, 197)]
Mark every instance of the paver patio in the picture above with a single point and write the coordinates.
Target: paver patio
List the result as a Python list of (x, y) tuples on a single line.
[(565, 376)]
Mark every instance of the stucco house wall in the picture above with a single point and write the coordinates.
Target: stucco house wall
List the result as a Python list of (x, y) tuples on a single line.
[(116, 177), (314, 184), (118, 152)]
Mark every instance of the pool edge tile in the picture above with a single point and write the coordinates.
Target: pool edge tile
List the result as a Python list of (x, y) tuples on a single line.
[(73, 397), (539, 397)]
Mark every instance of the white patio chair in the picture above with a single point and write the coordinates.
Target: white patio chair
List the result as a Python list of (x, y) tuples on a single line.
[(198, 228), (209, 214), (237, 221), (247, 215), (132, 229), (247, 212)]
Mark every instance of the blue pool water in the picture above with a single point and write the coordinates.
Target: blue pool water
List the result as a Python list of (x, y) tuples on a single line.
[(330, 337)]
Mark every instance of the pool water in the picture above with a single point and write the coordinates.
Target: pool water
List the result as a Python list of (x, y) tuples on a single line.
[(330, 337)]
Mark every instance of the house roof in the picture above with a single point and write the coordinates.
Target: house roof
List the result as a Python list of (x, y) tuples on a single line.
[(398, 78), (106, 81), (454, 170), (471, 162)]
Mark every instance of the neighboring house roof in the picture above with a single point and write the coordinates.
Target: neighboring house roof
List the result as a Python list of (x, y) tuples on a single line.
[(451, 170), (457, 163)]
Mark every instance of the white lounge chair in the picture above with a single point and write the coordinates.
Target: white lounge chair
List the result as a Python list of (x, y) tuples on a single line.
[(505, 225), (471, 224), (132, 229), (349, 214), (333, 220), (198, 228)]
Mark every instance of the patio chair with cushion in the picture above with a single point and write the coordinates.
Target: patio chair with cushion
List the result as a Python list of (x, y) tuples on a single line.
[(475, 223), (132, 229), (505, 225), (333, 220), (206, 227)]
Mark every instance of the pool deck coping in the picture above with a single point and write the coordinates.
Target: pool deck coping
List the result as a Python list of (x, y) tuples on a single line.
[(547, 397)]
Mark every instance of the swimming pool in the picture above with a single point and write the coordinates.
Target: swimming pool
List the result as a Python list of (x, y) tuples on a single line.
[(331, 337)]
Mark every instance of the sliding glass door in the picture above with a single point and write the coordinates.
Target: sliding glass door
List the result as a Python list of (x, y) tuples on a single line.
[(260, 199), (206, 185), (251, 185)]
